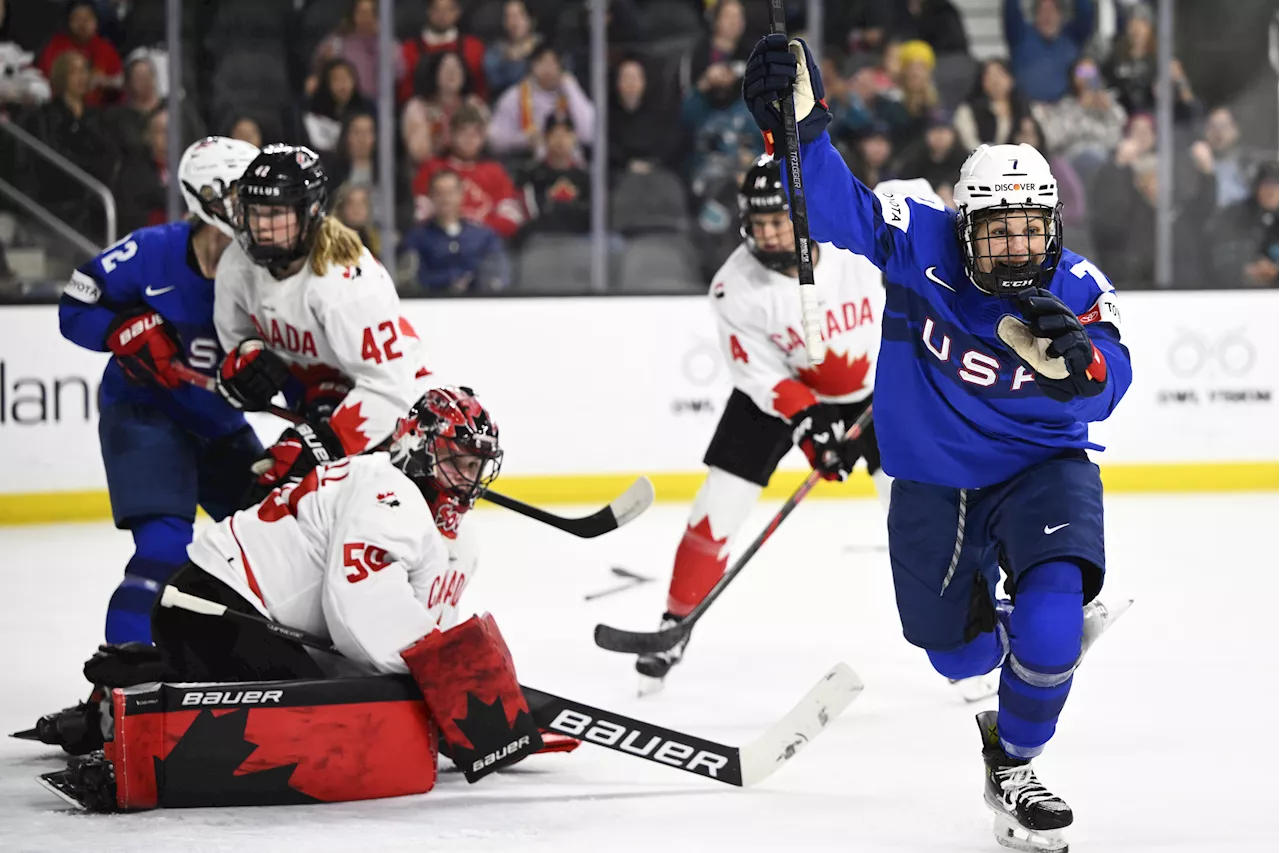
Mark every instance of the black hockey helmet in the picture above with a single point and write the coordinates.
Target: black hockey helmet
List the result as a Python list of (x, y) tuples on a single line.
[(281, 176), (448, 445), (761, 192)]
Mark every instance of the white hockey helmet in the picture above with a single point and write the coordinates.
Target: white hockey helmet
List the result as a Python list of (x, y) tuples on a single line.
[(997, 179), (206, 173)]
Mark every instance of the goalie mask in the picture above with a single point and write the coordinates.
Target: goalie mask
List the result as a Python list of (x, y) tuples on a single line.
[(448, 445), (1010, 219), (761, 192), (280, 203)]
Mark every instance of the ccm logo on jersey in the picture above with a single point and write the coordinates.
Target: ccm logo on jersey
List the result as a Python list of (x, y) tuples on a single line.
[(239, 697), (498, 755), (670, 752)]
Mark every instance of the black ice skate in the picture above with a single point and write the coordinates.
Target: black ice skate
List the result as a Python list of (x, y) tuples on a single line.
[(89, 782), (1028, 816), (653, 668), (77, 729)]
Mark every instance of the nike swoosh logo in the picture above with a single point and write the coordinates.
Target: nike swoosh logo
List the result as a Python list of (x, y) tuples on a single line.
[(151, 292), (1048, 530), (929, 274)]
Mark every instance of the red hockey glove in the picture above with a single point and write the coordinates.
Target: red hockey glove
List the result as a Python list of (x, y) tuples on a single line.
[(251, 375), (469, 681), (320, 399), (299, 449), (819, 431), (145, 345)]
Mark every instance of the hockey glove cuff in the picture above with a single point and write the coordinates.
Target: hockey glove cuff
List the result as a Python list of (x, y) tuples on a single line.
[(1054, 344), (251, 375), (145, 346)]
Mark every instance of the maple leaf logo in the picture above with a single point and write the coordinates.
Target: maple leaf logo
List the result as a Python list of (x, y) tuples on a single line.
[(495, 741), (563, 190), (837, 375), (200, 770), (388, 498), (348, 425)]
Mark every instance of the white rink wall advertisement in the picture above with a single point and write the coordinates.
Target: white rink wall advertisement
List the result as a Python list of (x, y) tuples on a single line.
[(585, 387)]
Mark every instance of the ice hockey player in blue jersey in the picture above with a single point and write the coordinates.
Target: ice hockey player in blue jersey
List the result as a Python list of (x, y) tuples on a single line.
[(166, 445), (999, 347)]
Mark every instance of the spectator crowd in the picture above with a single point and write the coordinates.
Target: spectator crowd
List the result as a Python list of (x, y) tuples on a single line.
[(496, 128)]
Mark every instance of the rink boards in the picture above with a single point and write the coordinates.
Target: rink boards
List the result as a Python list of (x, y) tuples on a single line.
[(590, 392)]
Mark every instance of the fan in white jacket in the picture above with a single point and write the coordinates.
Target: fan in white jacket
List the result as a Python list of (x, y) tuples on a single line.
[(302, 307)]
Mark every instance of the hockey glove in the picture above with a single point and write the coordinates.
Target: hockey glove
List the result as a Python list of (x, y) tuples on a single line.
[(1054, 344), (320, 399), (127, 664), (819, 432), (145, 346), (468, 678), (251, 375), (299, 449), (773, 70)]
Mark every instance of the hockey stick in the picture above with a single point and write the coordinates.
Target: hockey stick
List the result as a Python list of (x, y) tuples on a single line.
[(810, 315), (740, 766), (652, 642), (623, 509)]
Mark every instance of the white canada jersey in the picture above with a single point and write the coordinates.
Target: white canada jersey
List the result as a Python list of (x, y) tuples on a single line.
[(758, 312), (348, 319), (350, 553)]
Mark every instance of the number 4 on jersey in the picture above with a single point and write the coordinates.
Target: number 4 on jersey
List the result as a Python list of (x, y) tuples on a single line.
[(369, 349)]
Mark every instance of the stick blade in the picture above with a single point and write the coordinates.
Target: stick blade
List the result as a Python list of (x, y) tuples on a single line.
[(635, 500), (639, 642), (822, 704)]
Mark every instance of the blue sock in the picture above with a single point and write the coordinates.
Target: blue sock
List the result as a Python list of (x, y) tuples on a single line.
[(160, 548), (977, 657), (1044, 645)]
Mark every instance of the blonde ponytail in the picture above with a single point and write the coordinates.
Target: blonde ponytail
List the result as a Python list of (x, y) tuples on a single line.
[(336, 245)]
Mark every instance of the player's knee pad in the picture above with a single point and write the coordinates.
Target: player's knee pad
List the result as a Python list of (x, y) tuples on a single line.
[(1046, 624), (161, 539), (468, 678), (976, 657), (719, 511)]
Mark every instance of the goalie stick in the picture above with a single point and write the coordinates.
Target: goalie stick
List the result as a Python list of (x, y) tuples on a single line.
[(810, 315), (653, 642), (621, 510), (740, 766)]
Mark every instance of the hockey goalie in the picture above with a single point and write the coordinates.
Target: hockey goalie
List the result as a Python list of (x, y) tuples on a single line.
[(353, 553)]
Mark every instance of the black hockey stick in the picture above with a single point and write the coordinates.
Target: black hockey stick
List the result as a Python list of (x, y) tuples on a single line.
[(635, 500), (810, 315), (732, 765), (652, 642)]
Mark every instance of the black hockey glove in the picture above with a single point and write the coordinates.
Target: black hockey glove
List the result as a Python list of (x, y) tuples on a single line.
[(1054, 344), (127, 664), (819, 432), (299, 449), (251, 375), (772, 70)]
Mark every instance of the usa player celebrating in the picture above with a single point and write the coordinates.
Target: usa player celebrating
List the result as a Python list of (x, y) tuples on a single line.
[(303, 307), (166, 446), (999, 347), (778, 399)]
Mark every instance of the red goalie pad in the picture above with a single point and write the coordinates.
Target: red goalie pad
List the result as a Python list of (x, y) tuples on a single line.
[(469, 681)]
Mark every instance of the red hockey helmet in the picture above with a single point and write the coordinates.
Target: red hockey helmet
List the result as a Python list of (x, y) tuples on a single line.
[(448, 445)]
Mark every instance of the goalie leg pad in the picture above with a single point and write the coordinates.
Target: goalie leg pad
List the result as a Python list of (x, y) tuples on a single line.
[(468, 678)]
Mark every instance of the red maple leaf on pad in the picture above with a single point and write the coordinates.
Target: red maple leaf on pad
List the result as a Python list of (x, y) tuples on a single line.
[(837, 375), (347, 424)]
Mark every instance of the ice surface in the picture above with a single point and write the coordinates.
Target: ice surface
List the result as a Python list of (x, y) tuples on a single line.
[(1169, 740)]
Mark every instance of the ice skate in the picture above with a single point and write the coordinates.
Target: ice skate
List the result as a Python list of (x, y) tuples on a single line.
[(1028, 816), (89, 782), (653, 668), (978, 687), (1098, 617), (78, 729)]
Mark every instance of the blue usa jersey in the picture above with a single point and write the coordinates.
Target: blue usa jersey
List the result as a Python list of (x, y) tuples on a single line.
[(954, 406), (155, 267)]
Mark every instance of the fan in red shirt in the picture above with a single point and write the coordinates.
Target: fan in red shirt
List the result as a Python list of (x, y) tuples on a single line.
[(106, 73), (441, 33), (488, 193)]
